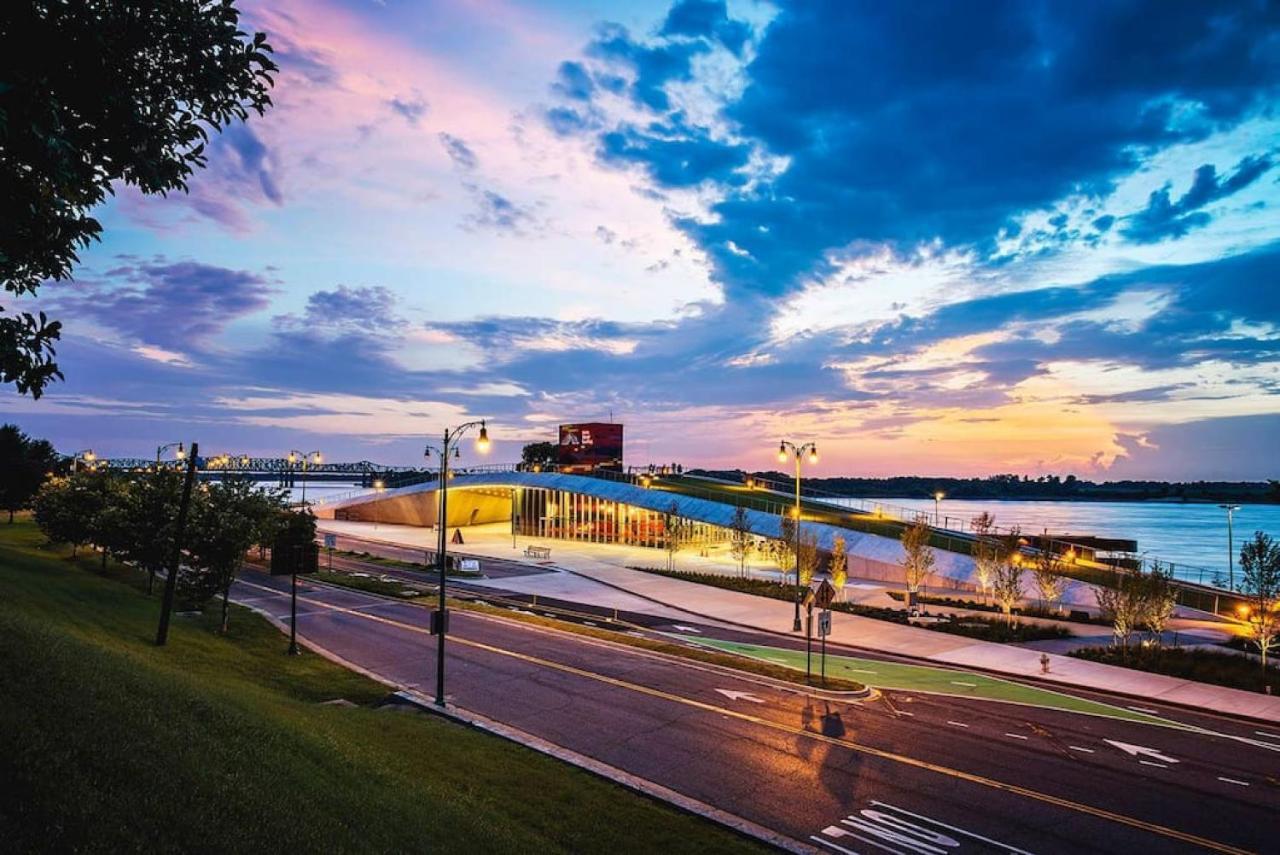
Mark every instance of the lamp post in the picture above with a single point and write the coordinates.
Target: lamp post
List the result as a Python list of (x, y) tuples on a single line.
[(937, 502), (1231, 551), (785, 449), (85, 454), (439, 618), (178, 455), (309, 457)]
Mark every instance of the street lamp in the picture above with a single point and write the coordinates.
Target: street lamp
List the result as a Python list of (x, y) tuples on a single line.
[(440, 617), (785, 449), (177, 455), (309, 457), (937, 500), (1231, 551)]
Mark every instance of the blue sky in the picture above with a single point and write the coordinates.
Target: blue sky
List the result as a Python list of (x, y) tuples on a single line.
[(938, 238)]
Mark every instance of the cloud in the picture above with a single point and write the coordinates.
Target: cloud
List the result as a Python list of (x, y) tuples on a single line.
[(1163, 218), (410, 108), (345, 308), (178, 307), (708, 19), (989, 114), (459, 152), (497, 212), (573, 82)]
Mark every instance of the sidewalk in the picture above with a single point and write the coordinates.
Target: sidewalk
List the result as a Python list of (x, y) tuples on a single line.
[(606, 565)]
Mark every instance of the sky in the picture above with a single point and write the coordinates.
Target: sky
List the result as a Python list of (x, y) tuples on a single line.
[(936, 238)]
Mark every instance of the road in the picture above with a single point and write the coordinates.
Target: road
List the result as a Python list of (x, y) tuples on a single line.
[(905, 772)]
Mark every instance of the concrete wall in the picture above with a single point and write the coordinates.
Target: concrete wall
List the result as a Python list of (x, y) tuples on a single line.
[(466, 507)]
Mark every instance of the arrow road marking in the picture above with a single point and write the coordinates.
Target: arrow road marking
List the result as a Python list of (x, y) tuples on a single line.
[(739, 696), (683, 628), (1140, 750)]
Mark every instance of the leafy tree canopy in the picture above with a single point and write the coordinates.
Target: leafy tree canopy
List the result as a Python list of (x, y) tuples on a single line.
[(94, 92), (24, 464)]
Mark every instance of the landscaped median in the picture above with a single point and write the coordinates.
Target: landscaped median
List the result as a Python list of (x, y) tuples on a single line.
[(221, 742)]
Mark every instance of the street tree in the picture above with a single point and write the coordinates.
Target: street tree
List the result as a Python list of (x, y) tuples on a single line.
[(784, 549), (839, 566), (1260, 569), (986, 551), (674, 533), (917, 556), (1006, 583), (152, 510), (1159, 601), (95, 96), (230, 518), (807, 557), (24, 465), (1050, 581), (109, 526), (1124, 604), (65, 508), (740, 539)]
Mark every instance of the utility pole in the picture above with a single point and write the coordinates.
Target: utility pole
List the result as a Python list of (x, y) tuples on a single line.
[(1231, 549), (799, 451), (171, 583)]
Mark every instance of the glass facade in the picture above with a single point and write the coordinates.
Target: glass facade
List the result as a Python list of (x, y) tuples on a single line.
[(538, 512)]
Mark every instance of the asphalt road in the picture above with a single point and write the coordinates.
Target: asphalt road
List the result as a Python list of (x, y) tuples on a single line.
[(906, 772)]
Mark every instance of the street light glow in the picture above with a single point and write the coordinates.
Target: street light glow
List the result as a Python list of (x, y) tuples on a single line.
[(782, 452), (482, 442)]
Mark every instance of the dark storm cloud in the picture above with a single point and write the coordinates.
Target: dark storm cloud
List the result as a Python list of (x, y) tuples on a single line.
[(909, 122)]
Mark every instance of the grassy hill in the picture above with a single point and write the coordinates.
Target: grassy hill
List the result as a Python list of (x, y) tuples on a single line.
[(222, 743)]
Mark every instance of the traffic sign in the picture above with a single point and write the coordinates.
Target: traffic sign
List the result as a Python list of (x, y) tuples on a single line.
[(330, 541), (825, 595), (824, 624)]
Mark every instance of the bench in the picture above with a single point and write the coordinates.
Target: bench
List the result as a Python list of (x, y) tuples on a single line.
[(537, 552)]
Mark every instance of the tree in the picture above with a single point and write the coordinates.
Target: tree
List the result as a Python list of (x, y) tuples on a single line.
[(740, 539), (917, 558), (1006, 583), (839, 566), (807, 557), (152, 510), (674, 533), (1047, 570), (24, 465), (1124, 603), (65, 508), (228, 520), (785, 547), (109, 527), (986, 551), (96, 94), (543, 454), (1159, 601), (1260, 571)]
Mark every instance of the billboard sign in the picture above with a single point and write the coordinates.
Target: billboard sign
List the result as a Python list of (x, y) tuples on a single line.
[(593, 445)]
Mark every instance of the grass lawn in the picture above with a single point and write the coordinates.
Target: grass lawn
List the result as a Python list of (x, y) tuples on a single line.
[(214, 742)]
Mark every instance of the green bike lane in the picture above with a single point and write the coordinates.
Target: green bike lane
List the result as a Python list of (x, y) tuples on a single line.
[(898, 676)]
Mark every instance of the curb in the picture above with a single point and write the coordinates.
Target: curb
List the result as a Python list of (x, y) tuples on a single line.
[(642, 786), (636, 784)]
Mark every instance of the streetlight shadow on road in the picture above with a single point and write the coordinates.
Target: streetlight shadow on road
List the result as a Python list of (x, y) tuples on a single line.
[(823, 719)]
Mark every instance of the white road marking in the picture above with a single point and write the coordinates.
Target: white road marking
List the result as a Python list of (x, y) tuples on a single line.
[(959, 683), (958, 723), (904, 712), (1157, 765), (735, 695), (590, 623), (1270, 735), (1078, 748), (1233, 781), (684, 628), (1004, 846), (1139, 751), (1016, 735), (1145, 710), (860, 670)]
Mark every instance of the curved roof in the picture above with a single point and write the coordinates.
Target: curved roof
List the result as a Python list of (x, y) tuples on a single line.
[(862, 544)]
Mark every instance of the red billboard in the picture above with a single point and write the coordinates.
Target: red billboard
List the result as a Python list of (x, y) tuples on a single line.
[(594, 445)]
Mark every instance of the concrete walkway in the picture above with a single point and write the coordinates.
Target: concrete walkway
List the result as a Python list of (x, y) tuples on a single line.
[(606, 565)]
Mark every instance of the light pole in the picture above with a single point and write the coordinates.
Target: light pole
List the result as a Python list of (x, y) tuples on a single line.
[(309, 457), (1231, 551), (177, 455), (439, 619), (786, 448), (937, 502)]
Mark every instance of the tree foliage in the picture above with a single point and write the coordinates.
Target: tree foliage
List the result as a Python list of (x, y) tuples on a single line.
[(544, 454), (917, 555), (808, 556), (1050, 580), (1260, 567), (986, 551), (740, 540), (98, 93), (1006, 581), (839, 568), (24, 465)]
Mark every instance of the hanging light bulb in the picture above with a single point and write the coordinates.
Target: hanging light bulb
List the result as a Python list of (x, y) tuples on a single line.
[(482, 444)]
